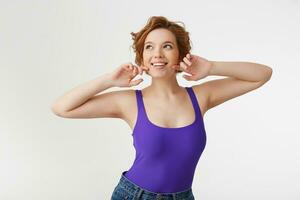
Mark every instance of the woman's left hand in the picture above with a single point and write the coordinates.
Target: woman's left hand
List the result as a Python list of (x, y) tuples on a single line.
[(195, 65)]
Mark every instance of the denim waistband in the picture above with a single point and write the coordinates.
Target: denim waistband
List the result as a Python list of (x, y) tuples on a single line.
[(138, 191)]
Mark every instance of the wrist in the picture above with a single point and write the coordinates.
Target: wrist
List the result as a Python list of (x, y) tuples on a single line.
[(110, 80), (212, 68)]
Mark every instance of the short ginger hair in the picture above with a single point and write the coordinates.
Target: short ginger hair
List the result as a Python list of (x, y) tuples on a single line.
[(155, 22)]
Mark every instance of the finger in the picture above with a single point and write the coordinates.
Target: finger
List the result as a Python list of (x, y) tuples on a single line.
[(126, 67), (135, 71), (145, 68), (183, 66), (130, 66), (135, 82), (189, 78), (140, 70), (187, 61)]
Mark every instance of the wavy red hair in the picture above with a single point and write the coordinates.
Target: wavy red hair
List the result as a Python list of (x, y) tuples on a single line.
[(154, 22)]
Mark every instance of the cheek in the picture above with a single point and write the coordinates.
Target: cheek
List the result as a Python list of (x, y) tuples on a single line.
[(145, 57), (175, 55)]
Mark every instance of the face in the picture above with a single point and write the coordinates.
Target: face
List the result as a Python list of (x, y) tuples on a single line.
[(160, 52)]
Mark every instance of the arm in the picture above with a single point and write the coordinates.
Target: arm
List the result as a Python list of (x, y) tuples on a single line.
[(242, 77), (246, 71), (81, 94), (82, 101)]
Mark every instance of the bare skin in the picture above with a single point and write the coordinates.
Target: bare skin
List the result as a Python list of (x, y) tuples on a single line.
[(164, 94), (167, 103), (162, 113)]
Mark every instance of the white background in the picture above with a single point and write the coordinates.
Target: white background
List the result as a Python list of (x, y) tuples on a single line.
[(49, 47)]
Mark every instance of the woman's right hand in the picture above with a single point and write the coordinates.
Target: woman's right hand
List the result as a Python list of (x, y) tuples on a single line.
[(123, 75)]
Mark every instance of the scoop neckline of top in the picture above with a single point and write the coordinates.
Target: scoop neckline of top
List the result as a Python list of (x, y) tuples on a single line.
[(173, 128)]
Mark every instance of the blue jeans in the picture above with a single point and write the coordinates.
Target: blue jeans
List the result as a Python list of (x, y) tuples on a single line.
[(127, 190)]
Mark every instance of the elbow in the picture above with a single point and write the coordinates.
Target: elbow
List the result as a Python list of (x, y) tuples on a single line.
[(267, 74), (56, 111)]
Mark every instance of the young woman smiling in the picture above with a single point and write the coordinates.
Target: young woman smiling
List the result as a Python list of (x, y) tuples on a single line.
[(166, 119)]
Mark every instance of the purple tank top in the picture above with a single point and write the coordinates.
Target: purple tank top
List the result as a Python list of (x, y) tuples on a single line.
[(166, 158)]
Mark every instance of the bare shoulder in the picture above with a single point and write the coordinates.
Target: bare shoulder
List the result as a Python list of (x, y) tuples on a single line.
[(128, 106), (113, 104), (201, 93)]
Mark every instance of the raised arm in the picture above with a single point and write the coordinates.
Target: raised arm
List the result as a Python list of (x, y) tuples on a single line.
[(82, 101), (242, 77)]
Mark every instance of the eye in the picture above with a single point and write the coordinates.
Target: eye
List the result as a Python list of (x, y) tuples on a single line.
[(168, 45), (147, 46)]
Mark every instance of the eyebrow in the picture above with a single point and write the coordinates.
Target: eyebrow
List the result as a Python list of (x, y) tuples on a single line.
[(163, 43)]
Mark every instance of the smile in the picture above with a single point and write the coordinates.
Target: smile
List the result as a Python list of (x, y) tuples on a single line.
[(158, 65)]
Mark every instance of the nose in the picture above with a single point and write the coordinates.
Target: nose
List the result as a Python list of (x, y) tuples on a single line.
[(158, 53)]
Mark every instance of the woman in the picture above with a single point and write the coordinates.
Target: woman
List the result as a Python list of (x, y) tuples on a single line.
[(166, 119)]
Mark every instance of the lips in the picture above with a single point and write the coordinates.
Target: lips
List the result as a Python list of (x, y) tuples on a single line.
[(158, 63), (160, 66)]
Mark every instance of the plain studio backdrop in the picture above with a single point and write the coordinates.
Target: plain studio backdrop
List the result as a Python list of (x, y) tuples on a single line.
[(50, 47)]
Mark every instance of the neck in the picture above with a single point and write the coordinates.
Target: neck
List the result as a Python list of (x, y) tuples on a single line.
[(162, 87)]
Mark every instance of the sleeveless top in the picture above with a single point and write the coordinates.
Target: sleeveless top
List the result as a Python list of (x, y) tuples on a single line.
[(166, 158)]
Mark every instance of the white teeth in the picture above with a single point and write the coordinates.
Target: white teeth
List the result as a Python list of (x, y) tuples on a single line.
[(158, 64)]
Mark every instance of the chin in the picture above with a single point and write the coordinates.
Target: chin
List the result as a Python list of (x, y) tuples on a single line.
[(163, 73)]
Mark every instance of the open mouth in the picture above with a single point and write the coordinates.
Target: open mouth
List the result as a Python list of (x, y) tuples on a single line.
[(159, 65)]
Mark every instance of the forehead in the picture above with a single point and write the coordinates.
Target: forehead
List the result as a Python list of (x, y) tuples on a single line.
[(160, 35)]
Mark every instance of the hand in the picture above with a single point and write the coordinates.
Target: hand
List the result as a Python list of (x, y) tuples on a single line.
[(196, 66), (123, 75)]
